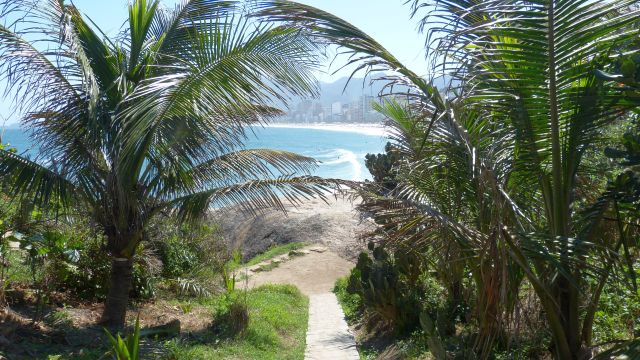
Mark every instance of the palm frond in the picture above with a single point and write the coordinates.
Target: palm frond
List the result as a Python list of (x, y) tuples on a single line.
[(254, 196), (43, 186), (243, 74)]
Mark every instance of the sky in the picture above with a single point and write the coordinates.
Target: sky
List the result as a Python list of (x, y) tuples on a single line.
[(387, 21)]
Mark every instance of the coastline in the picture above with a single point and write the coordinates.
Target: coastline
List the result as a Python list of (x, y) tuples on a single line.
[(365, 129)]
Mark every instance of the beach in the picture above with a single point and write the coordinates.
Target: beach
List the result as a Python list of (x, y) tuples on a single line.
[(360, 128)]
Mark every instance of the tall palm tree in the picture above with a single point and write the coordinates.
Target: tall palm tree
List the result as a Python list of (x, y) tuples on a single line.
[(529, 66), (154, 119)]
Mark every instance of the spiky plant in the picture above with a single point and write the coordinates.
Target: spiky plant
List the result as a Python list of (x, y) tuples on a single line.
[(153, 119)]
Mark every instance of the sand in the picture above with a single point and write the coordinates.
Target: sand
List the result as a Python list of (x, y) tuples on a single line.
[(366, 129)]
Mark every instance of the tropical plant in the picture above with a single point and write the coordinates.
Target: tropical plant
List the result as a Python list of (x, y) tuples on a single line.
[(495, 165), (381, 167), (128, 348), (154, 119)]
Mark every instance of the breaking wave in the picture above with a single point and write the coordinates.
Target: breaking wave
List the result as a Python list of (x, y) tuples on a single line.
[(340, 158)]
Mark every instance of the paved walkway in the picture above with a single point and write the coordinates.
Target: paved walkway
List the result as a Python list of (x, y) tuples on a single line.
[(328, 336)]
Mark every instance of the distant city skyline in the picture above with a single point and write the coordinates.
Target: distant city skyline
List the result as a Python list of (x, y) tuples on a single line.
[(313, 111), (375, 17)]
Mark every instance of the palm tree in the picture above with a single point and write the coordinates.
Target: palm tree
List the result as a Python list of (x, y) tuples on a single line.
[(530, 67), (154, 119), (441, 143), (451, 201)]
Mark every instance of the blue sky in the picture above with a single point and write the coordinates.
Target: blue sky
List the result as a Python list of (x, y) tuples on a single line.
[(388, 21)]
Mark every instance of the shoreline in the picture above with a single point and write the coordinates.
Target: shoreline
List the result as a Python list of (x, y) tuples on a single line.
[(364, 129)]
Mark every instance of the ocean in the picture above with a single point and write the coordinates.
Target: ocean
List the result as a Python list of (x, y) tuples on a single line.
[(341, 153)]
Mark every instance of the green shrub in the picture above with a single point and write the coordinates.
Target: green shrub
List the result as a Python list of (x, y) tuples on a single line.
[(88, 277), (382, 167), (231, 315), (394, 286), (184, 254), (187, 248), (178, 257), (351, 302), (386, 290)]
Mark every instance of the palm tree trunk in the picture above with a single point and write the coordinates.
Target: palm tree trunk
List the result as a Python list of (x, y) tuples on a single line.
[(115, 308), (568, 300)]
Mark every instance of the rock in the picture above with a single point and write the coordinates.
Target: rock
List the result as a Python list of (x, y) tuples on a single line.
[(336, 225), (171, 329)]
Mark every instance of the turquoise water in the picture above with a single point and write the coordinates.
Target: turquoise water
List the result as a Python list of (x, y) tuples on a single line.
[(341, 153)]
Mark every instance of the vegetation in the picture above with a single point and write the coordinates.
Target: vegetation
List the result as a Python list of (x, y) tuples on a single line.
[(153, 120), (129, 348), (497, 194), (276, 330), (381, 167), (274, 251), (264, 322), (507, 202)]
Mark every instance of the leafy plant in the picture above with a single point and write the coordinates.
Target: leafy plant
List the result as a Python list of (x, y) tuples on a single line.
[(186, 308), (191, 287), (383, 167), (231, 316), (393, 286), (228, 274), (128, 348), (351, 301)]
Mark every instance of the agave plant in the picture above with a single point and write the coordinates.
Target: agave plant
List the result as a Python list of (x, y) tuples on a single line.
[(153, 119), (504, 149)]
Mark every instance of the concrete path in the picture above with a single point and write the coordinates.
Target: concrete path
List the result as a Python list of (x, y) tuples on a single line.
[(314, 272), (328, 336)]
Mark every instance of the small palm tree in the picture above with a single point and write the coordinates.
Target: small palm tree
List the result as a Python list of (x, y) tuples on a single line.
[(154, 119)]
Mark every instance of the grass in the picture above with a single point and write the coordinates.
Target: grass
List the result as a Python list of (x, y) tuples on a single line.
[(277, 330), (271, 253), (277, 325), (268, 267), (351, 303), (18, 271)]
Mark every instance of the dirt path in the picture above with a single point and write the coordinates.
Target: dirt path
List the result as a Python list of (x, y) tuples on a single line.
[(315, 272)]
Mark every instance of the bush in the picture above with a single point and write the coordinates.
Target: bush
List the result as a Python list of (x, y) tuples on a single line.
[(393, 286), (187, 249), (382, 167), (178, 257), (231, 315), (72, 258), (88, 276)]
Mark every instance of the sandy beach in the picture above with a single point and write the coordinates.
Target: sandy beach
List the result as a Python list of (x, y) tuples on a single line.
[(366, 129)]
